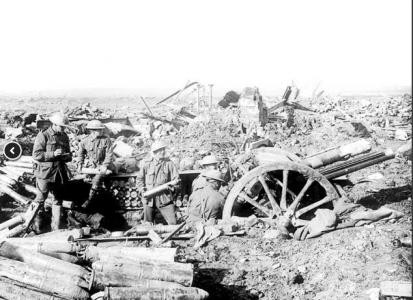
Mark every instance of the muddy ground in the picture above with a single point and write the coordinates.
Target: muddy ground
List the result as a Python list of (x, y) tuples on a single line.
[(342, 264)]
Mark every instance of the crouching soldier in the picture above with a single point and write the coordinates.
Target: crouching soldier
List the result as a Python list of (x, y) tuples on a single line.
[(98, 148), (207, 203), (209, 162), (155, 171), (51, 152)]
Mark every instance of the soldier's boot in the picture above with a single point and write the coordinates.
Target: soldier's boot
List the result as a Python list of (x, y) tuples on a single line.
[(56, 217), (92, 195), (38, 222)]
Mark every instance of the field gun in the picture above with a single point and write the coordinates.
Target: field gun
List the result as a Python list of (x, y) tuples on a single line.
[(280, 185)]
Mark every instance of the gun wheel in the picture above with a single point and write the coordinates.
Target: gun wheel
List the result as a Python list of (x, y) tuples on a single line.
[(287, 191)]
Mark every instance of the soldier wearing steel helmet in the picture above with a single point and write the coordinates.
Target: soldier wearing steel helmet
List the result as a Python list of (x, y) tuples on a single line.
[(51, 152), (207, 203), (98, 148), (155, 171), (209, 162)]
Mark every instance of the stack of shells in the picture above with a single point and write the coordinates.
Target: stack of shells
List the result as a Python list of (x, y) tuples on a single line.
[(126, 193), (124, 190)]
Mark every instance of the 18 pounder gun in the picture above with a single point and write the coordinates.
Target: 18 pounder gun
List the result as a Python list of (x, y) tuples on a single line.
[(281, 186)]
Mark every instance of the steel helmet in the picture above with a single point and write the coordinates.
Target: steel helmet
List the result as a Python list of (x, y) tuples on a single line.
[(95, 124), (158, 145), (209, 160), (213, 174), (59, 119)]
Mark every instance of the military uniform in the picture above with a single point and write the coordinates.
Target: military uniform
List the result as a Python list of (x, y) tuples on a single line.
[(51, 172), (205, 204), (199, 183), (154, 173), (99, 151)]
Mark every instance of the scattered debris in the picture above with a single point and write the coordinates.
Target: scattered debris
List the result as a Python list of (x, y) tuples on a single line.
[(271, 264)]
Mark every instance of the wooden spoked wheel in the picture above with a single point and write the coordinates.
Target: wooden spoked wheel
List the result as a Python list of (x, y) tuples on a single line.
[(287, 191)]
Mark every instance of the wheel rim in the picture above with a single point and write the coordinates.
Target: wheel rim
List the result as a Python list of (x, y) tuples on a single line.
[(284, 190)]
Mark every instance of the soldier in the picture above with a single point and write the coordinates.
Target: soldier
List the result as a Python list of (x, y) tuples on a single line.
[(51, 152), (98, 148), (207, 203), (209, 162), (154, 172)]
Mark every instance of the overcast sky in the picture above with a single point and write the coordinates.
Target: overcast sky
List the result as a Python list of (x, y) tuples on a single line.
[(341, 44)]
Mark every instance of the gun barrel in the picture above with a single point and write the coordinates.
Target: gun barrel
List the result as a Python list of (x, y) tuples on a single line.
[(356, 164), (338, 153)]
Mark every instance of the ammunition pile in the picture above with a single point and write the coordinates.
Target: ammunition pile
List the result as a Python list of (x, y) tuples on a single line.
[(124, 190)]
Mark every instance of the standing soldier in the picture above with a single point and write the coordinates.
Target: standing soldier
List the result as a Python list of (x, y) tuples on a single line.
[(209, 162), (98, 148), (154, 172), (51, 152)]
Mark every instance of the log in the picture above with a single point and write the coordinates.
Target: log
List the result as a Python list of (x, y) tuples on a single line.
[(12, 289), (133, 253), (39, 260), (129, 293), (19, 198), (157, 270), (44, 278), (40, 245)]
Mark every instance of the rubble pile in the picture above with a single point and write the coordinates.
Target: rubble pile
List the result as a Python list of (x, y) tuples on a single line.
[(87, 111), (218, 133)]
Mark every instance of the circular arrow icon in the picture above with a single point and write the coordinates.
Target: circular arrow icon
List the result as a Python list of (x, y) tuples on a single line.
[(12, 150)]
